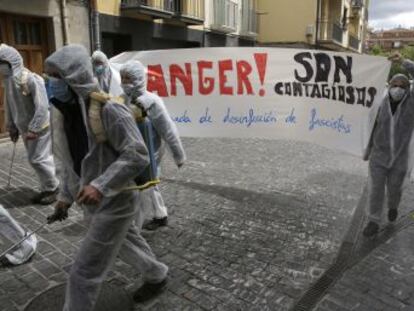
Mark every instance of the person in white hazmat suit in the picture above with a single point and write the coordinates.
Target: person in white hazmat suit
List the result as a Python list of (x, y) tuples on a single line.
[(390, 150), (28, 115), (95, 179), (108, 78), (134, 84), (10, 229)]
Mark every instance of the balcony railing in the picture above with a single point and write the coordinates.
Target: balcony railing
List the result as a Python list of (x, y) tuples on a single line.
[(329, 31), (191, 11), (158, 8), (357, 4), (225, 14), (252, 22), (353, 42), (249, 18), (188, 11), (356, 10)]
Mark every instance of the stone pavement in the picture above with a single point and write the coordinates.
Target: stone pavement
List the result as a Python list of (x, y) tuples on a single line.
[(384, 280), (381, 276), (253, 224)]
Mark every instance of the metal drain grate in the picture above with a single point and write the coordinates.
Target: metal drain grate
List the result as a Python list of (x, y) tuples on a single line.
[(318, 289), (316, 292)]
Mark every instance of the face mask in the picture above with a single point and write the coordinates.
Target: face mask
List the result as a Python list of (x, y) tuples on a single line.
[(5, 70), (60, 90), (100, 69), (397, 93)]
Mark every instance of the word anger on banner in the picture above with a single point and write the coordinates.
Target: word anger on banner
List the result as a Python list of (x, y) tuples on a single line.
[(275, 93)]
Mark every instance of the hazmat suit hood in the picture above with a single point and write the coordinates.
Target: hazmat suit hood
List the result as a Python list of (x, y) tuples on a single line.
[(397, 148), (136, 71), (404, 84), (110, 166), (12, 56), (109, 80), (100, 56), (400, 77), (73, 64), (157, 112)]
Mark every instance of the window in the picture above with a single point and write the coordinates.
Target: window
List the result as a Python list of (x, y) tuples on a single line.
[(27, 33), (225, 13), (2, 39), (345, 18), (35, 34), (20, 33), (231, 14), (114, 43)]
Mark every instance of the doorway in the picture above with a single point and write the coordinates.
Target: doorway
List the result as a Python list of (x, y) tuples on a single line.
[(28, 35)]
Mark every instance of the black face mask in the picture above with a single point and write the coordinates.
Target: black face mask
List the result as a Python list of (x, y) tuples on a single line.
[(75, 131), (5, 69)]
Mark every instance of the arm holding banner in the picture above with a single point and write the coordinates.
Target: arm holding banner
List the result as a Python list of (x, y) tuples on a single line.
[(409, 66), (373, 118), (367, 151), (165, 127)]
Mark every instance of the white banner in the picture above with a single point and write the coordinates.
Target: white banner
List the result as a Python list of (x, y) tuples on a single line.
[(276, 93)]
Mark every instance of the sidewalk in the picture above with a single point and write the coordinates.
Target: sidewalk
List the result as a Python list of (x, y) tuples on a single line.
[(253, 224), (382, 278), (382, 281)]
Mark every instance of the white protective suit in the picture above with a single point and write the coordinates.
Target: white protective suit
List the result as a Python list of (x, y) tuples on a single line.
[(390, 150), (109, 167), (109, 80), (27, 111), (14, 233), (164, 126)]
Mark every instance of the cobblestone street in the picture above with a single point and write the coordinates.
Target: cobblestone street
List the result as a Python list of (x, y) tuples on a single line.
[(253, 225)]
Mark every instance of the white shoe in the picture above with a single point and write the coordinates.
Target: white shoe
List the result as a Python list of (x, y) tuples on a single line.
[(25, 251)]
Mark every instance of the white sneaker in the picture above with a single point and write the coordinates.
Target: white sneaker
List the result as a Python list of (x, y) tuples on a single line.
[(25, 251)]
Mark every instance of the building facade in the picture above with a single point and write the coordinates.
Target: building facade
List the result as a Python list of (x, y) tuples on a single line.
[(338, 25), (230, 23), (37, 27), (393, 39), (165, 24)]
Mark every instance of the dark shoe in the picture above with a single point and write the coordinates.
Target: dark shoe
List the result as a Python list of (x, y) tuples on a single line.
[(45, 197), (371, 229), (4, 262), (155, 223), (150, 290), (392, 214)]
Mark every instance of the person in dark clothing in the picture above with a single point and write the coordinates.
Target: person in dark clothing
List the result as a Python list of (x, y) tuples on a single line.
[(74, 129), (115, 155)]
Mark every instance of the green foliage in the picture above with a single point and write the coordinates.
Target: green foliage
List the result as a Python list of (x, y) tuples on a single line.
[(377, 51), (395, 68), (407, 52)]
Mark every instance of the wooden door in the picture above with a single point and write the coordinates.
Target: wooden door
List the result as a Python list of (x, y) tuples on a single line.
[(28, 35)]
